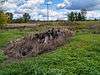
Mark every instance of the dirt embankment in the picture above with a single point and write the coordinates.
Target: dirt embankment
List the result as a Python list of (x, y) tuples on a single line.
[(17, 25), (33, 45)]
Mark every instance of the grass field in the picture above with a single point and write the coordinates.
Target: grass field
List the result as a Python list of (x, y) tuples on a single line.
[(80, 56)]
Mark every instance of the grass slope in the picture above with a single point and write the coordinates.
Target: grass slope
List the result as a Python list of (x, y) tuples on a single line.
[(80, 57)]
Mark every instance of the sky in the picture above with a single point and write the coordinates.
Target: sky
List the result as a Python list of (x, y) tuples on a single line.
[(58, 9)]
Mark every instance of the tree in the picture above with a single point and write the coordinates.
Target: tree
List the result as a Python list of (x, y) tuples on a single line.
[(18, 20), (3, 19), (76, 16), (79, 17), (83, 14), (10, 17), (26, 17), (71, 16), (95, 19)]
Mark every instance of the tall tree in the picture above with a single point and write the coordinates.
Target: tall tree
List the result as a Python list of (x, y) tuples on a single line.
[(83, 13), (71, 16), (3, 19), (10, 16), (79, 17), (26, 17), (76, 16)]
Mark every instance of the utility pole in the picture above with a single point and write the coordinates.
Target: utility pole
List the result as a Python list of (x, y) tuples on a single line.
[(48, 2), (47, 11)]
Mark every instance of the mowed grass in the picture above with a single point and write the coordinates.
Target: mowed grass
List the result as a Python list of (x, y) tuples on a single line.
[(79, 57)]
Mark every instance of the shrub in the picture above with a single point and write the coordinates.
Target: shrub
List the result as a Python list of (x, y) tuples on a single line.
[(3, 19)]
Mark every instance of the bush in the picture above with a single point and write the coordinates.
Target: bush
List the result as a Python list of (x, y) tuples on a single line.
[(3, 19)]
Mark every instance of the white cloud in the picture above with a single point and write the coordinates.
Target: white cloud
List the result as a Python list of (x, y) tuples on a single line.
[(9, 5), (33, 7), (61, 5), (97, 7), (42, 14), (19, 7), (17, 16), (93, 14), (66, 3), (35, 1)]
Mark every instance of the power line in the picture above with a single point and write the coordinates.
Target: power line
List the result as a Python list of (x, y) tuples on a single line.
[(47, 11), (48, 3)]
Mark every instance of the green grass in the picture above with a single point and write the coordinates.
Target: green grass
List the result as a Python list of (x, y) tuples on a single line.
[(2, 56), (80, 57), (7, 35)]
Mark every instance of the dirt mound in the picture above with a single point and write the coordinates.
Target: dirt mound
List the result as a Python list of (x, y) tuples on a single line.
[(33, 45)]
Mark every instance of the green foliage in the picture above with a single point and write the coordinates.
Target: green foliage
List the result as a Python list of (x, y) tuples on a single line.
[(26, 17), (19, 20), (83, 14), (10, 17), (3, 19), (77, 16), (71, 16)]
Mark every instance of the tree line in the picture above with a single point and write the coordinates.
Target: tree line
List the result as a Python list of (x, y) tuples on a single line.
[(77, 16), (24, 19), (6, 17)]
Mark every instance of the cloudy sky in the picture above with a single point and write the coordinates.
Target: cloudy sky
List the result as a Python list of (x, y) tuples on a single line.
[(58, 9)]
